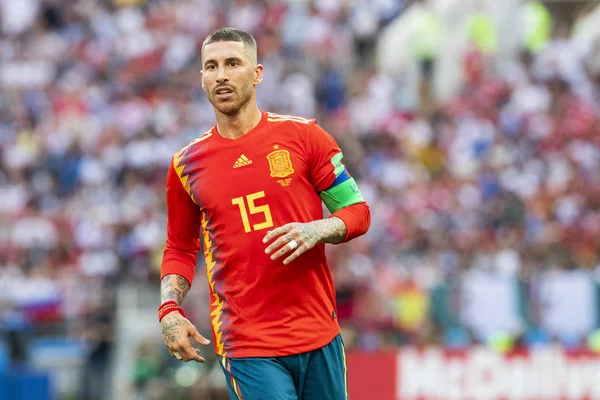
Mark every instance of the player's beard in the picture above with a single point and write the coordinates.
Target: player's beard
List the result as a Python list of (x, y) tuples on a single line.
[(238, 101)]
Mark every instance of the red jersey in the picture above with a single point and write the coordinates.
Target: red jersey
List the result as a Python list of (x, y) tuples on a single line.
[(236, 190)]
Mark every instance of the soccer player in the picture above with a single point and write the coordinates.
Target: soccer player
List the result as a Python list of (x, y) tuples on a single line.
[(252, 186)]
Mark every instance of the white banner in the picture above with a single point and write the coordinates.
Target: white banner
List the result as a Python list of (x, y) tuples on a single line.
[(482, 374)]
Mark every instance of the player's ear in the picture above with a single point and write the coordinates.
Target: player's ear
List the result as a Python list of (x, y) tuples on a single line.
[(202, 80), (258, 74)]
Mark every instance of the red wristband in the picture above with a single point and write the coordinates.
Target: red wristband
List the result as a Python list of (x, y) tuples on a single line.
[(167, 307)]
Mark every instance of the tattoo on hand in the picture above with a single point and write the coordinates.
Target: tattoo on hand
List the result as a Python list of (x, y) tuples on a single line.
[(309, 232), (304, 235), (172, 328), (329, 230)]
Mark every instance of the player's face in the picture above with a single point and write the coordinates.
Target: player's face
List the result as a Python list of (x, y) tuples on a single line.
[(229, 76)]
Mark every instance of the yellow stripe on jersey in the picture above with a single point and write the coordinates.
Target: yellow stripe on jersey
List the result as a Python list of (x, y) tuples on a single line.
[(218, 303), (183, 178), (201, 138), (205, 136), (275, 115), (287, 120), (178, 157), (271, 117)]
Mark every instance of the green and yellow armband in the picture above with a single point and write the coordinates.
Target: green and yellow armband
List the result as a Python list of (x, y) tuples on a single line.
[(343, 192)]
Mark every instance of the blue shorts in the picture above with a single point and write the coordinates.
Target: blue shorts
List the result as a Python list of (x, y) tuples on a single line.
[(317, 375)]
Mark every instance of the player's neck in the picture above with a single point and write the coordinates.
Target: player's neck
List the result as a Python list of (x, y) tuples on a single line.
[(235, 126)]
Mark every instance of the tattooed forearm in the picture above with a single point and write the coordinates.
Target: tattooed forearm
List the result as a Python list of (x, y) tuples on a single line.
[(173, 287), (328, 230), (183, 284)]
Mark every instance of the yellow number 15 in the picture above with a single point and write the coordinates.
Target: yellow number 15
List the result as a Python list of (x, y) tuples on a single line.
[(254, 209)]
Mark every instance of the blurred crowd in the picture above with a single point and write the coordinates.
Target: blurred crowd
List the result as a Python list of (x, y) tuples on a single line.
[(483, 205)]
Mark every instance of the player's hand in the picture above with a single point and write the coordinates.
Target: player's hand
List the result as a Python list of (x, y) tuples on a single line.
[(177, 331), (300, 237)]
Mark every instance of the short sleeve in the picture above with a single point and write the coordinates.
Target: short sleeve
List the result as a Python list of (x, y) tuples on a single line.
[(324, 157)]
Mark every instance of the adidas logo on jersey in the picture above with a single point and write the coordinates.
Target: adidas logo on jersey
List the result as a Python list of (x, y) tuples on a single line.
[(242, 161)]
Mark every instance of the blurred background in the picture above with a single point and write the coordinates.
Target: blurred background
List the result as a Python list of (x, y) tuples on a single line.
[(472, 127)]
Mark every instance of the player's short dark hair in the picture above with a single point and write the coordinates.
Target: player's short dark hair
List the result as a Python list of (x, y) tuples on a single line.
[(229, 34)]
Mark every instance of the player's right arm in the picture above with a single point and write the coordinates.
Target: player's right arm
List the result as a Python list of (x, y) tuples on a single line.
[(178, 268)]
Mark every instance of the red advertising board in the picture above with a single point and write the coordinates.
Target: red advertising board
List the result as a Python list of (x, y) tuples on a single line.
[(372, 376), (474, 374)]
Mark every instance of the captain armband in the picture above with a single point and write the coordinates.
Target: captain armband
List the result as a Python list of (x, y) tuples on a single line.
[(342, 193)]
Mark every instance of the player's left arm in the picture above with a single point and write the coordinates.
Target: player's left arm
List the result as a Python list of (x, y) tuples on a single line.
[(350, 213)]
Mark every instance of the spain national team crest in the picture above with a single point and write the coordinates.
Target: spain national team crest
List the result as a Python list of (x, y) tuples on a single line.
[(280, 163)]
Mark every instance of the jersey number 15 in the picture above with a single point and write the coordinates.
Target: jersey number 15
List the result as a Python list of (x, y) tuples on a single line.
[(254, 209)]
